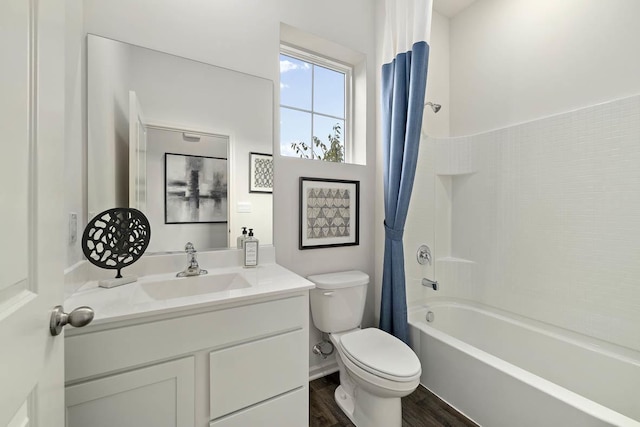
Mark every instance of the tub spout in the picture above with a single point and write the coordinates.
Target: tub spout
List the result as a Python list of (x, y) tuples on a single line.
[(432, 283)]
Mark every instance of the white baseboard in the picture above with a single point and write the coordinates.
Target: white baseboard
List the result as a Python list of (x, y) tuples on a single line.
[(319, 371)]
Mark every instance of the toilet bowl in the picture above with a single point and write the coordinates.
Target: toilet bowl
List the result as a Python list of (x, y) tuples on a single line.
[(376, 368), (379, 370)]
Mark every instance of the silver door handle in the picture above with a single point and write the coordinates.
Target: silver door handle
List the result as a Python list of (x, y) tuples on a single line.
[(78, 318)]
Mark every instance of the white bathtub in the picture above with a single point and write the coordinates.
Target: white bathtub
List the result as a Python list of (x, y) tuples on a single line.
[(500, 369)]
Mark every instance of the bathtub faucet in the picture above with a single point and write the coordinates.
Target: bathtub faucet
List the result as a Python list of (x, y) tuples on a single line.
[(432, 283)]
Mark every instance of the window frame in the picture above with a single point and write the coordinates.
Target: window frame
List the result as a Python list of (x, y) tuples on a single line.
[(334, 65)]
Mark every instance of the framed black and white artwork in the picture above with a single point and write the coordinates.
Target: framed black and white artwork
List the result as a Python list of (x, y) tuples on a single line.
[(329, 213), (260, 173), (195, 189)]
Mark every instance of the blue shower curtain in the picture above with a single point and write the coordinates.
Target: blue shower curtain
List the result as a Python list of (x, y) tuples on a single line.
[(404, 81)]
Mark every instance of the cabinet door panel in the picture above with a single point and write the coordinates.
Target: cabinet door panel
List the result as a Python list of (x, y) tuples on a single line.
[(249, 373), (157, 395), (288, 410)]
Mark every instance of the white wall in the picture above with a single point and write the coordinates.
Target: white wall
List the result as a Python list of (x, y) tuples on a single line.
[(545, 227), (517, 60), (244, 36)]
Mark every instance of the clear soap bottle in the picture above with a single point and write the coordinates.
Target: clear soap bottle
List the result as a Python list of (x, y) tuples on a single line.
[(250, 249), (242, 237)]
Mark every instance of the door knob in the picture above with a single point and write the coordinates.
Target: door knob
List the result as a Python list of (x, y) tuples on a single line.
[(78, 318)]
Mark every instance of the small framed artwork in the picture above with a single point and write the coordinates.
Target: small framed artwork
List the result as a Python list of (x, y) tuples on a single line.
[(195, 189), (329, 213), (260, 173)]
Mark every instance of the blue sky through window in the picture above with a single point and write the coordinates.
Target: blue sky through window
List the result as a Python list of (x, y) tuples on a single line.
[(312, 102)]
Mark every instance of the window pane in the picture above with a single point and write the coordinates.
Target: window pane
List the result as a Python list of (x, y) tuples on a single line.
[(295, 82), (329, 131), (328, 92), (295, 127)]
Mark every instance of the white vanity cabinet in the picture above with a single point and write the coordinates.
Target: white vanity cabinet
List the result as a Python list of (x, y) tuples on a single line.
[(227, 365)]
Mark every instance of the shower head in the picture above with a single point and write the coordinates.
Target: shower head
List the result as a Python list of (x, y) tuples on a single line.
[(434, 107)]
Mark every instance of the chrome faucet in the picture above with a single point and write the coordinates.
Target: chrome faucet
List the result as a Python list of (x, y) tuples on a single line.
[(433, 283), (193, 269), (424, 253)]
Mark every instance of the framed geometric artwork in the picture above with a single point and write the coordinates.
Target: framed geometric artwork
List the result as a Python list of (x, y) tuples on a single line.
[(260, 173), (195, 189), (329, 213)]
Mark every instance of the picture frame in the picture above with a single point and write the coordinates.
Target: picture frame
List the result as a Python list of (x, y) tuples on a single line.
[(196, 189), (329, 213), (260, 173)]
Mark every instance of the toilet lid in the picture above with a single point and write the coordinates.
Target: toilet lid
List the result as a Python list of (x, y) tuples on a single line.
[(381, 354), (344, 279)]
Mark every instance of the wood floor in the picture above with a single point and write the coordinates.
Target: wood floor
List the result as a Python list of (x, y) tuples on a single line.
[(420, 409)]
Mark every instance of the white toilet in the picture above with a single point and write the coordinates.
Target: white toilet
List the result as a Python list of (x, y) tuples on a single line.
[(376, 368)]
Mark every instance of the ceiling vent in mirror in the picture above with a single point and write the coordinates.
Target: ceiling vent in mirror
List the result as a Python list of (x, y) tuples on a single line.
[(190, 136)]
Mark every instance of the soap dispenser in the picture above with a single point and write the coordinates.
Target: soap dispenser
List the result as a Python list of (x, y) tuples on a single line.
[(242, 237), (250, 249)]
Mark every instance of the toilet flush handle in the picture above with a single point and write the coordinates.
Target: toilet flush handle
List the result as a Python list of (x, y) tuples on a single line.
[(328, 294)]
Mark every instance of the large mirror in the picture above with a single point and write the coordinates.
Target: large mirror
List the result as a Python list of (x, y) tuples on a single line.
[(187, 143)]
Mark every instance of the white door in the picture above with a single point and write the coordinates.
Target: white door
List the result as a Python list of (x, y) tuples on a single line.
[(31, 210), (137, 155)]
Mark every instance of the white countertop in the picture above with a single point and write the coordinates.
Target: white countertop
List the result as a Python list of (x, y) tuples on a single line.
[(130, 301)]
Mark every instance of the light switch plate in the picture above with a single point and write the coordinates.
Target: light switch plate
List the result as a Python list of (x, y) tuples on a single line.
[(244, 207), (73, 227)]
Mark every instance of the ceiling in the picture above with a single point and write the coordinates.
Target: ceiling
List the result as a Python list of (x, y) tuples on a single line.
[(450, 8)]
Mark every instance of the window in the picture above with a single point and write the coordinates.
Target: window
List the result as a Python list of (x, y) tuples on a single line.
[(314, 107)]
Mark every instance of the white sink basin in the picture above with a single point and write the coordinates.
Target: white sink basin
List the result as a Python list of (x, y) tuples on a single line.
[(179, 287)]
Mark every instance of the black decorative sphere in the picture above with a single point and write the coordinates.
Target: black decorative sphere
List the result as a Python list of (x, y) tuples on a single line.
[(116, 238)]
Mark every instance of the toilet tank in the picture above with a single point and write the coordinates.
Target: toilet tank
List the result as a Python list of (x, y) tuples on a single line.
[(337, 302)]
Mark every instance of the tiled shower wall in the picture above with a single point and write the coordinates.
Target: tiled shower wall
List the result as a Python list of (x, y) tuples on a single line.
[(545, 219)]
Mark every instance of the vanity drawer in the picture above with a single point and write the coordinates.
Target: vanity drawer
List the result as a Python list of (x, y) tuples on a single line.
[(288, 410), (121, 348), (246, 374)]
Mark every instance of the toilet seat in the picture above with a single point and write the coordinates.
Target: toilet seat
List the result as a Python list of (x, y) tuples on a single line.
[(375, 384), (381, 354)]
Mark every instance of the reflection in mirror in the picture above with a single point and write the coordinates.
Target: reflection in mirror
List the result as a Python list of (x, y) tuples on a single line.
[(137, 154), (187, 189), (172, 137)]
